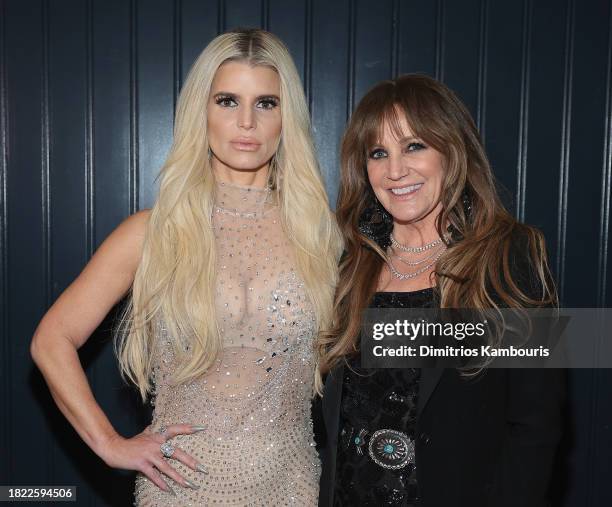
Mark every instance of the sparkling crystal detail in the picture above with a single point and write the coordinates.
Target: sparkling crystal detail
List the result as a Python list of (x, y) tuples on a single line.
[(255, 401)]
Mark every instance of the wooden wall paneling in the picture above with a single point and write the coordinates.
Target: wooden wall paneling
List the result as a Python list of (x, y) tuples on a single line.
[(331, 93), (585, 157), (155, 88), (5, 392), (460, 25), (605, 294), (581, 267), (244, 13), (114, 103), (545, 115), (502, 99), (291, 20), (28, 252), (199, 25), (374, 34), (70, 196), (417, 35)]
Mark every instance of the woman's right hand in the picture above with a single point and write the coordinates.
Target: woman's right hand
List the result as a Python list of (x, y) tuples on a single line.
[(142, 452)]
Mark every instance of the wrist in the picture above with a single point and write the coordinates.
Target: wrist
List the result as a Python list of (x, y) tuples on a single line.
[(103, 445)]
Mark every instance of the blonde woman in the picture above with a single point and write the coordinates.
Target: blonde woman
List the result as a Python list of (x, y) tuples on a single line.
[(230, 277)]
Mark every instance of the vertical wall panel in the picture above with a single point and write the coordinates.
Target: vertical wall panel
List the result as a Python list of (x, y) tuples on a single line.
[(551, 38), (5, 392), (68, 190), (548, 37), (330, 85), (112, 106), (291, 21), (155, 93), (372, 62), (461, 48), (199, 21), (581, 266), (417, 29), (111, 110), (587, 131), (503, 97), (27, 208), (606, 232), (604, 296), (244, 13)]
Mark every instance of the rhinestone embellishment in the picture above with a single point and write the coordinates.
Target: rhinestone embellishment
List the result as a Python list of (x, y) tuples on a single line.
[(360, 441), (255, 398)]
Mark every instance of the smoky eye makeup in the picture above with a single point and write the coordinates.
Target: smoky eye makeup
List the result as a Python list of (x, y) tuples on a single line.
[(264, 102), (414, 146), (269, 102), (225, 100), (411, 146), (376, 153)]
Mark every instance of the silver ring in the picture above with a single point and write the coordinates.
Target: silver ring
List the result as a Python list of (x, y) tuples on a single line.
[(162, 431), (167, 449)]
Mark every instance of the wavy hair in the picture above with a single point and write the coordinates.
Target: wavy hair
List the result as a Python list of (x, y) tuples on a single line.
[(175, 280), (480, 225)]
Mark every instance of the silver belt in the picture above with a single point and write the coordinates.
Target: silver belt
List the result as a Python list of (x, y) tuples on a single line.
[(390, 449)]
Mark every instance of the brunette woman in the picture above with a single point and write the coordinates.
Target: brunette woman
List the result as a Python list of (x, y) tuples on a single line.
[(424, 227)]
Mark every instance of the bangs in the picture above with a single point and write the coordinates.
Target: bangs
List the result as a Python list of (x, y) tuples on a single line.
[(390, 114), (407, 107)]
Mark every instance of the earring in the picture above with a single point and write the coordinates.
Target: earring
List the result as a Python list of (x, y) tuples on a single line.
[(466, 200), (376, 223)]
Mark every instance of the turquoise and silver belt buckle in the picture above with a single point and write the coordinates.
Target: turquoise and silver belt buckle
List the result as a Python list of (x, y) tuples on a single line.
[(391, 449)]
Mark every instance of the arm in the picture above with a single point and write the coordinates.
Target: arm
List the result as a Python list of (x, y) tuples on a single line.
[(72, 319), (66, 327)]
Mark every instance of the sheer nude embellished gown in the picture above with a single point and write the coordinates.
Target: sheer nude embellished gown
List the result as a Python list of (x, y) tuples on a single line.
[(255, 402)]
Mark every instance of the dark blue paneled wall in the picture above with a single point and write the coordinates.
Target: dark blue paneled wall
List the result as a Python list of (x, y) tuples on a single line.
[(87, 94)]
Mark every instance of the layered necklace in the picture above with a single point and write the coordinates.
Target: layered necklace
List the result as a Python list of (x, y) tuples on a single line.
[(437, 248)]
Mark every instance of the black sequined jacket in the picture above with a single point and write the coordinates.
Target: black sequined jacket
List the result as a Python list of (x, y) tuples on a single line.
[(489, 443)]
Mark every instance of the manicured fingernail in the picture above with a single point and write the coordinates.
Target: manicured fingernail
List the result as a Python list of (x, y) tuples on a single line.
[(200, 468), (191, 484), (196, 427)]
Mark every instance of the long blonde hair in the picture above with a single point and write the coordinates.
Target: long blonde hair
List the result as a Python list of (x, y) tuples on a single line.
[(475, 270), (176, 277)]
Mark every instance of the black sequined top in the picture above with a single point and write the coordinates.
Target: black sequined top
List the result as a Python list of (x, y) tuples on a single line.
[(379, 407)]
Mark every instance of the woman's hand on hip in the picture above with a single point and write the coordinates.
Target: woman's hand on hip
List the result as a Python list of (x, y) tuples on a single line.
[(143, 452)]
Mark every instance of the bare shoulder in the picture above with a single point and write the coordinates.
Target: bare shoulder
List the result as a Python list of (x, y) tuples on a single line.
[(127, 239), (136, 223), (113, 265), (102, 283)]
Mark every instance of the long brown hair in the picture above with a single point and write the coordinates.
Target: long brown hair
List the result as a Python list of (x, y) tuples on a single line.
[(481, 227)]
